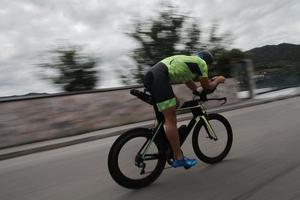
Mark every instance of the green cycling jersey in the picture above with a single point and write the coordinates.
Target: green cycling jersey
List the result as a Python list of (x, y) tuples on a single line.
[(183, 68)]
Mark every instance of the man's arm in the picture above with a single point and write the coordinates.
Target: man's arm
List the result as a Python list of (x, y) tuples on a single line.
[(191, 85), (206, 83), (211, 84)]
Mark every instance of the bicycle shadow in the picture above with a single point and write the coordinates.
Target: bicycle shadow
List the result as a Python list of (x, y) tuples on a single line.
[(201, 182)]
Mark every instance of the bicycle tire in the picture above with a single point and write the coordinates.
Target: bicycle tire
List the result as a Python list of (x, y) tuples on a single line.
[(195, 140), (113, 162)]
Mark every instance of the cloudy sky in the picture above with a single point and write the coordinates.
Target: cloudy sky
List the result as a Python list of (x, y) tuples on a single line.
[(28, 28)]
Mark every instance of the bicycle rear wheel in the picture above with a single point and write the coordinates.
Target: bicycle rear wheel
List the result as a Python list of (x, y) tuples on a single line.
[(127, 164), (212, 148)]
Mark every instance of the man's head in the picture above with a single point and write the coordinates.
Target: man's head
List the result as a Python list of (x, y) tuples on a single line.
[(206, 56)]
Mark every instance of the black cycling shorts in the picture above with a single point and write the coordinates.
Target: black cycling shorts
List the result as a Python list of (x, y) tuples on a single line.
[(157, 82)]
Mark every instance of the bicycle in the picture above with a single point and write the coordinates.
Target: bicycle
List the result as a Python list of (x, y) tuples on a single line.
[(153, 145)]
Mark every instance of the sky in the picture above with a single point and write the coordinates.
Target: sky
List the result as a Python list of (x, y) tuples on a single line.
[(29, 28)]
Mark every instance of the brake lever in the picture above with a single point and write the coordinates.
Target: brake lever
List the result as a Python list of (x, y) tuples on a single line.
[(225, 101), (218, 99), (203, 97)]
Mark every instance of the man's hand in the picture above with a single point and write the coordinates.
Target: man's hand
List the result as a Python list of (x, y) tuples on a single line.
[(220, 79)]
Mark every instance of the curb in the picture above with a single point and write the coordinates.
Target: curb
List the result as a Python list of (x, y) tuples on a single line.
[(72, 140)]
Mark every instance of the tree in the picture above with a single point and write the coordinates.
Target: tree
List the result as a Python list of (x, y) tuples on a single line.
[(225, 60), (74, 72), (217, 43), (157, 40), (168, 35)]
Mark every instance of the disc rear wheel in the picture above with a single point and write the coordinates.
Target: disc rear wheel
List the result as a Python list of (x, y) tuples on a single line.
[(128, 162)]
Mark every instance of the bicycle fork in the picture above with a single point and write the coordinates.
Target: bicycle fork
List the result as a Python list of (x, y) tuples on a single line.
[(209, 129)]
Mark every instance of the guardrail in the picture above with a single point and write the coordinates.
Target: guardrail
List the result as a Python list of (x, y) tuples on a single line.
[(45, 95), (37, 118)]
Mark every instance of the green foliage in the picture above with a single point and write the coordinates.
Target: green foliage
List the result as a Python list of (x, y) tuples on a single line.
[(157, 40), (278, 64), (75, 72), (168, 35), (225, 60), (275, 55)]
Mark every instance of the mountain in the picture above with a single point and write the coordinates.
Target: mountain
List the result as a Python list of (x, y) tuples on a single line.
[(279, 65), (271, 56)]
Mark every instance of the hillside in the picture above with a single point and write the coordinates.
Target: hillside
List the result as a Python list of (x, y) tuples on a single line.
[(279, 65), (276, 56)]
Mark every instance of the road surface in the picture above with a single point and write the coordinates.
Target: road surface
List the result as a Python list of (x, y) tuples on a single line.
[(264, 163)]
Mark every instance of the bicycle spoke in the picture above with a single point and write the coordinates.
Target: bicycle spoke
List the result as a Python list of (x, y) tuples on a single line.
[(151, 157)]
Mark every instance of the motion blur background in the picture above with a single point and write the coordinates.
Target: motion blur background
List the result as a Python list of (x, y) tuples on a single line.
[(67, 66), (104, 44)]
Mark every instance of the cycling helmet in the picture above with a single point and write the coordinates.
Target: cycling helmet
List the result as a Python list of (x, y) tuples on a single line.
[(206, 56)]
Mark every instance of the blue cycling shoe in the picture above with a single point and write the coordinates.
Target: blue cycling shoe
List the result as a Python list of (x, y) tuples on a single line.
[(184, 162)]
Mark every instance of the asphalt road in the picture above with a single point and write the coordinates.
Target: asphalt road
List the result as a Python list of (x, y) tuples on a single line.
[(264, 163)]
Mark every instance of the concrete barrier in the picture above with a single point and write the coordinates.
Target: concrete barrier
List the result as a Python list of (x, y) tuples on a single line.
[(53, 116)]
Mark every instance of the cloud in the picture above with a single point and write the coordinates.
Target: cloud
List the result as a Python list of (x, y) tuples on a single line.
[(253, 23), (31, 27)]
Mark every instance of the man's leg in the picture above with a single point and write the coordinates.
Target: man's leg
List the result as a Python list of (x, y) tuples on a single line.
[(173, 138), (172, 131)]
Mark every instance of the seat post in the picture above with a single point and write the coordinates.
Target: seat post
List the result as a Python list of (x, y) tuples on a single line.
[(158, 114)]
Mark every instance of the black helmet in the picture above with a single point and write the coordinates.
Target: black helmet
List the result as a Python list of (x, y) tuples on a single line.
[(206, 56)]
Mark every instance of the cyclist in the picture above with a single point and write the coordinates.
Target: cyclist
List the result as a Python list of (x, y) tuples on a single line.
[(178, 69)]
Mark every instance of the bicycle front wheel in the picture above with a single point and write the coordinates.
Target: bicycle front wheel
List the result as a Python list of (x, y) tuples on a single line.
[(212, 138), (134, 161)]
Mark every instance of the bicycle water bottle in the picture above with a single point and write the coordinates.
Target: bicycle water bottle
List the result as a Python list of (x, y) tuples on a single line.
[(182, 133)]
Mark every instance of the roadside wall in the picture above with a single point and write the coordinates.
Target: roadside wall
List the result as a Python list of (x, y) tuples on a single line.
[(53, 116)]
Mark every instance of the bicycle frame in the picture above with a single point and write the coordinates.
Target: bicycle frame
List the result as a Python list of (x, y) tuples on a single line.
[(155, 146), (199, 114)]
